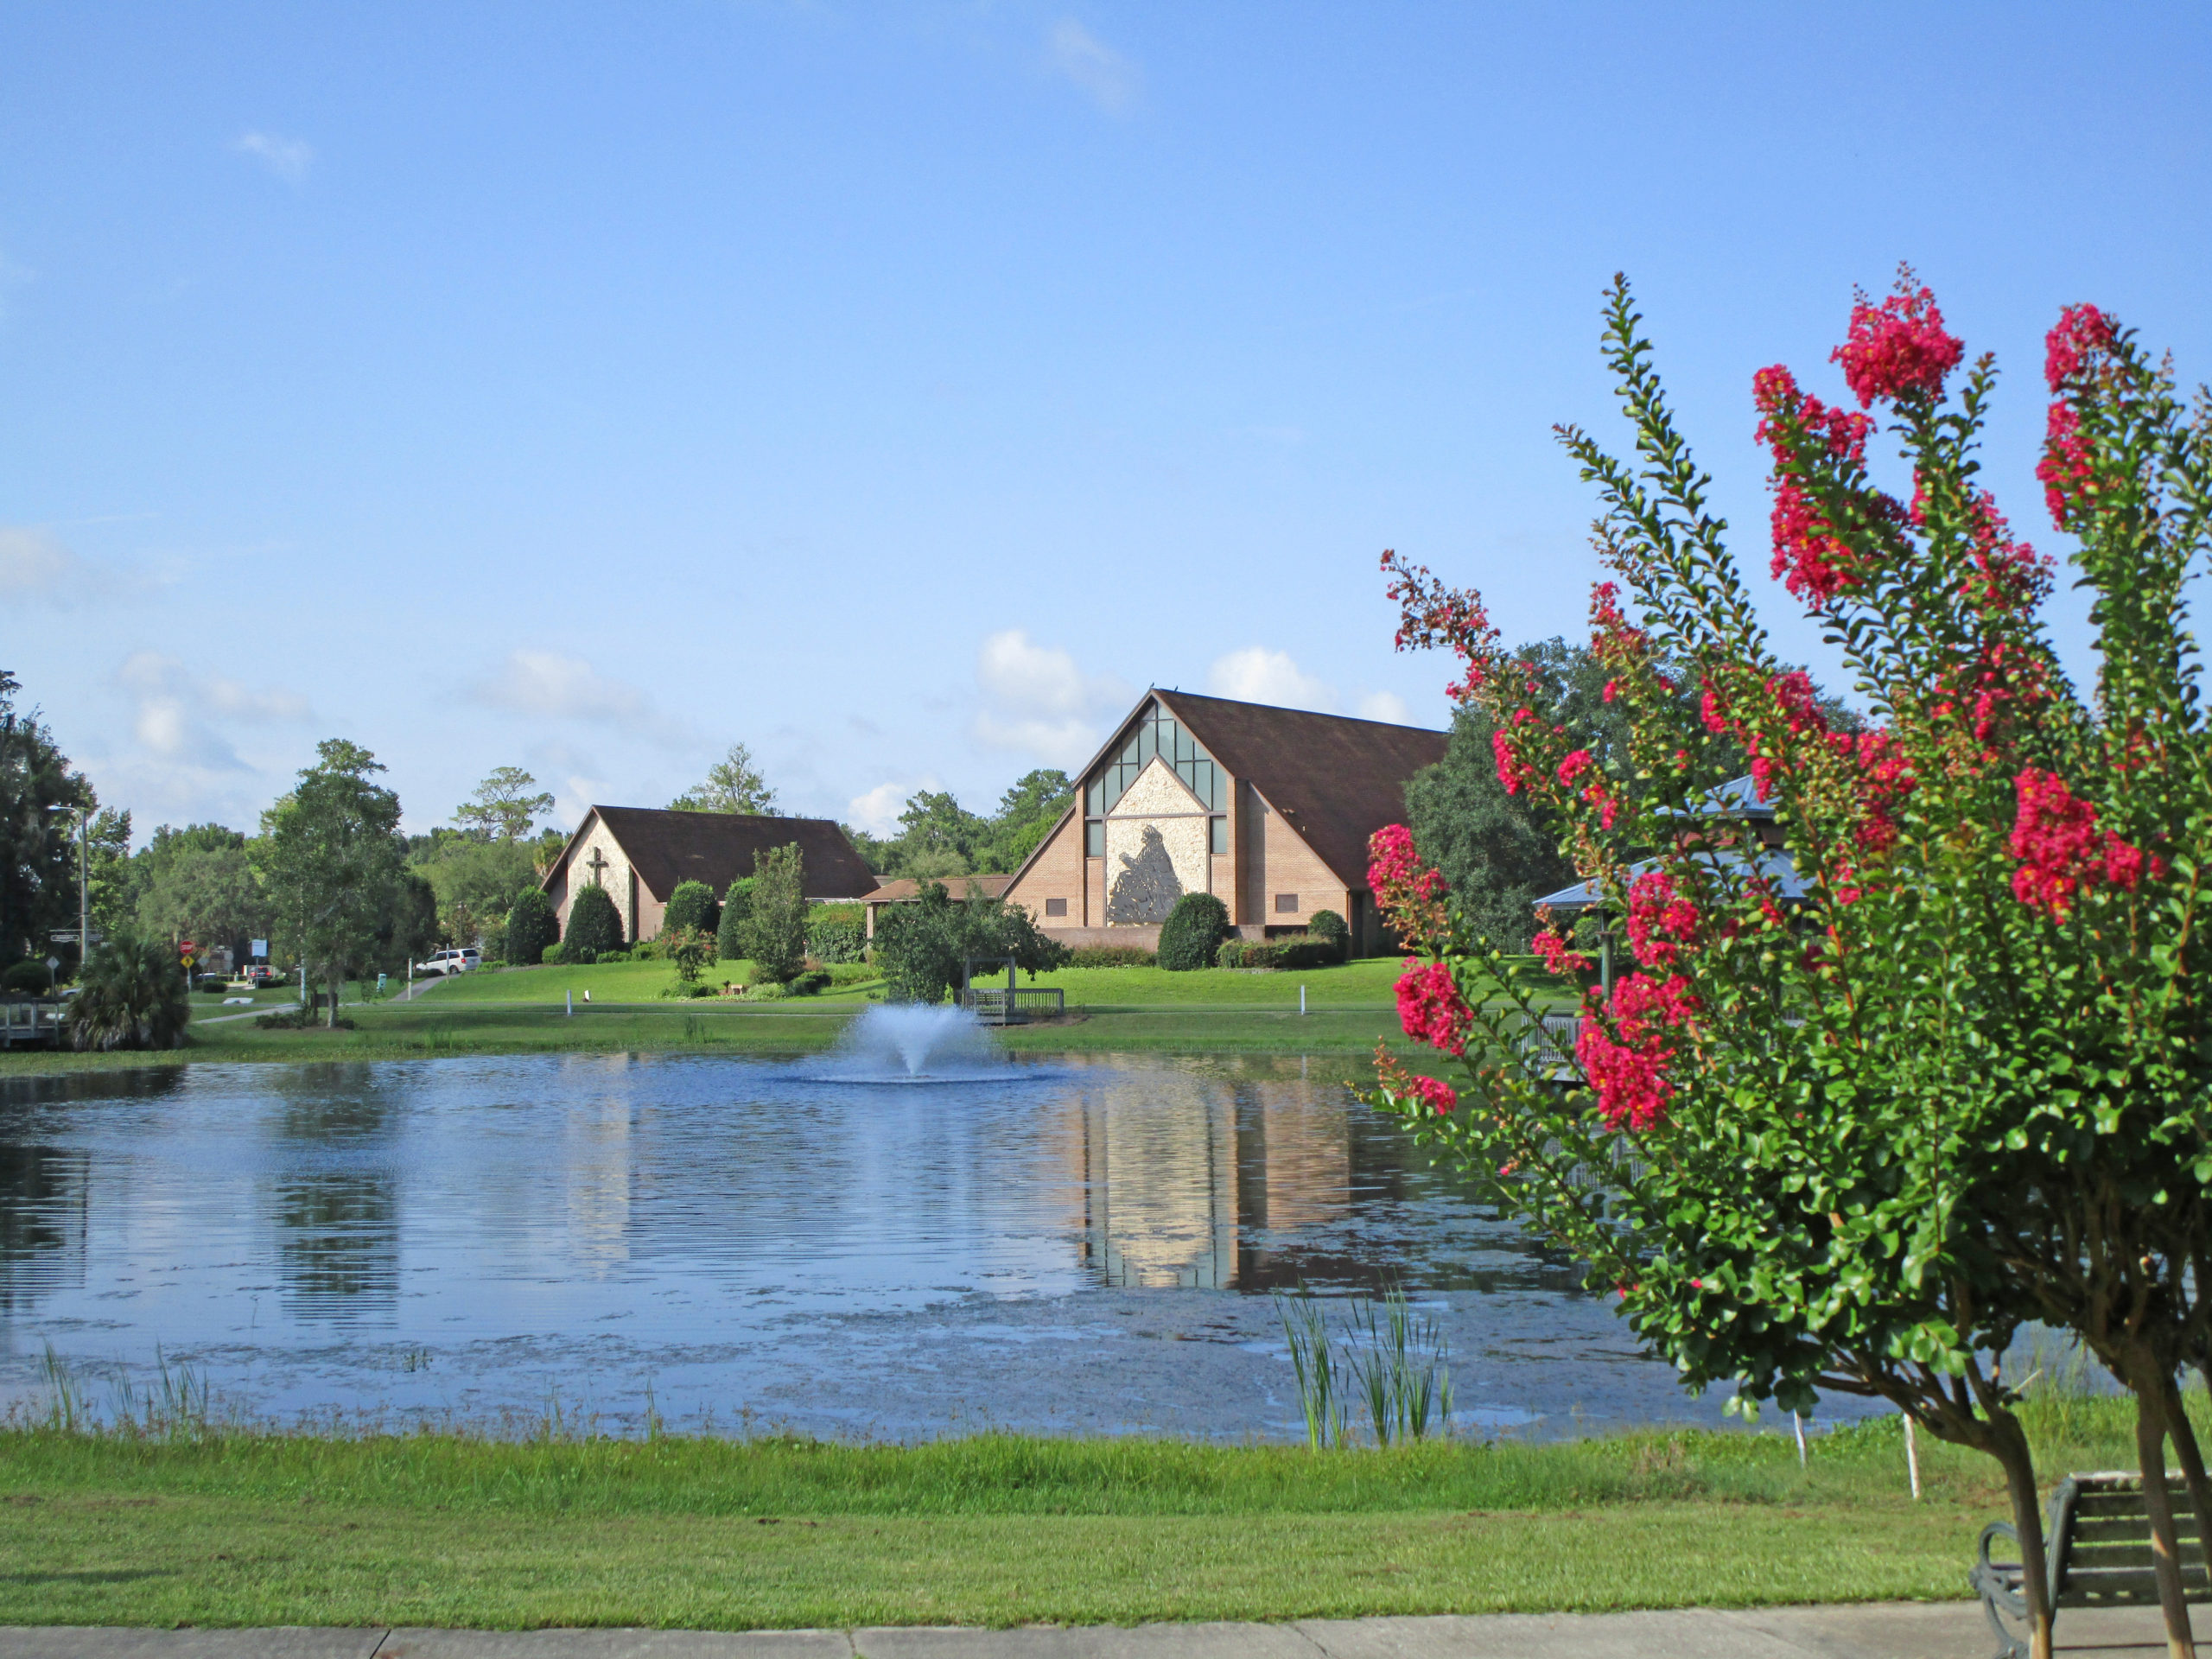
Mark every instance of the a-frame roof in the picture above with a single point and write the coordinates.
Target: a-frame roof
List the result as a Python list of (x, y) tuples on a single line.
[(666, 847), (1335, 780)]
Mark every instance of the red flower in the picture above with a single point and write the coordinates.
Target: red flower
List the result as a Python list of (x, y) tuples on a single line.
[(1431, 1008), (2065, 468), (2081, 331), (1434, 1093), (1899, 349), (1558, 957), (1812, 562), (1629, 1074), (1407, 892), (1660, 922), (1511, 771), (2061, 850)]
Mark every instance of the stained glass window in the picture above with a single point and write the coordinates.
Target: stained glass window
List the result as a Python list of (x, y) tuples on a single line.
[(1157, 733)]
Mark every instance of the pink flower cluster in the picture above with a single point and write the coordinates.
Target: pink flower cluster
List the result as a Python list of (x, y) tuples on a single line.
[(2008, 575), (1661, 923), (1885, 777), (2081, 331), (1598, 792), (2062, 852), (1629, 1074), (1431, 615), (1512, 772), (1811, 560), (1898, 348), (1434, 1093), (1431, 1008), (1407, 892), (1558, 957), (2065, 469)]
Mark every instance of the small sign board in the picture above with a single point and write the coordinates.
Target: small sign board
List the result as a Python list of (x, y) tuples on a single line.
[(54, 964), (261, 950)]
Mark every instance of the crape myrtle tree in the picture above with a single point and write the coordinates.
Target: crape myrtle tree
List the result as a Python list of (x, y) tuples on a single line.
[(1850, 1133)]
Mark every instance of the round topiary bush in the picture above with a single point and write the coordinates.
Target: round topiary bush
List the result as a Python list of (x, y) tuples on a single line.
[(27, 978), (593, 923), (1327, 925), (691, 907), (532, 927), (1193, 932)]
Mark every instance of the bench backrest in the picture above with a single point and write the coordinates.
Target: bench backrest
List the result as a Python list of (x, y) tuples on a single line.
[(2100, 1539)]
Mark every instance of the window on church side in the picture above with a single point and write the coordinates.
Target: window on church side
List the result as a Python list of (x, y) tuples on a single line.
[(1218, 833)]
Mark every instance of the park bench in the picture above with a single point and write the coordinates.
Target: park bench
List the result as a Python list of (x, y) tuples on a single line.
[(2097, 1545)]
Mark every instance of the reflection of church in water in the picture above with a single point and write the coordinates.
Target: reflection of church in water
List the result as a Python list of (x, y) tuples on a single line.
[(1189, 1182)]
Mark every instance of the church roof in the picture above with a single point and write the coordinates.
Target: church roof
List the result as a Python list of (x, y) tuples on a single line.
[(666, 847), (1334, 779)]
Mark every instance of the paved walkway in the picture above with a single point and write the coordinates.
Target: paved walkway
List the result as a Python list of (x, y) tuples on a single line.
[(1882, 1631)]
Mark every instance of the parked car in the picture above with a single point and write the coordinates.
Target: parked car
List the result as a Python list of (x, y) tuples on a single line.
[(452, 962), (258, 975)]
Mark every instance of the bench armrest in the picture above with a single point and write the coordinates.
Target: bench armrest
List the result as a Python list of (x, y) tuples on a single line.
[(1997, 1581)]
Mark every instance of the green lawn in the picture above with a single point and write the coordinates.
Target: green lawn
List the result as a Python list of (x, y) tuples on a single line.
[(247, 1528)]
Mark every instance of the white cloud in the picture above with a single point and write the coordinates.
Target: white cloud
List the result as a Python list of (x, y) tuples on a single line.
[(287, 158), (546, 685), (1258, 675), (173, 704), (1386, 706), (1110, 79), (37, 570), (878, 810), (1037, 701)]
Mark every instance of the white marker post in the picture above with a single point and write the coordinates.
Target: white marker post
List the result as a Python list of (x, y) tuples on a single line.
[(1912, 1456), (1798, 1422), (1301, 1001), (571, 997)]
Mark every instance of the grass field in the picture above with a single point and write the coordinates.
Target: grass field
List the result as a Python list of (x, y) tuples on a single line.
[(218, 1528), (1113, 1010)]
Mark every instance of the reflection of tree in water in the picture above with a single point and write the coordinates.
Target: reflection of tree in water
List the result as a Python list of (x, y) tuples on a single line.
[(337, 1226), (43, 1198), (337, 1244), (1148, 887)]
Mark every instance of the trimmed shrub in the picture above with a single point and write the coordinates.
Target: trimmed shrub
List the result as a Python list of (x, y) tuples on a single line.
[(533, 928), (1260, 953), (852, 973), (1303, 951), (593, 923), (1328, 925), (812, 983), (775, 934), (606, 957), (1112, 956), (1230, 955), (1193, 932), (691, 906), (27, 978), (692, 950), (737, 911), (837, 933), (649, 950)]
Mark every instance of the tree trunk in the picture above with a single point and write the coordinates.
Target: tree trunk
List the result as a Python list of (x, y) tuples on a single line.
[(2165, 1558), (2191, 1458), (2009, 1445)]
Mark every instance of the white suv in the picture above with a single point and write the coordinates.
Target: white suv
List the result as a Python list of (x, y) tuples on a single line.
[(452, 962)]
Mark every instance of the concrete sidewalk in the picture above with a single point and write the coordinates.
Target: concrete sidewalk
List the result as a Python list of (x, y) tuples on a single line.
[(1881, 1630)]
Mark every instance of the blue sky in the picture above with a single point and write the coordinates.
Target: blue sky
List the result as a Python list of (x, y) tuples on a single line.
[(899, 390)]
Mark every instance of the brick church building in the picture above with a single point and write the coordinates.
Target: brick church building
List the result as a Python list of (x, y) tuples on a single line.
[(1268, 809)]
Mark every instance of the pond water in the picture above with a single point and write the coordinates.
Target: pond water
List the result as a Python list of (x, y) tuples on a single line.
[(1066, 1247)]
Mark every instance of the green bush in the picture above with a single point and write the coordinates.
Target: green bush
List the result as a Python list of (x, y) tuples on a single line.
[(593, 923), (775, 935), (132, 995), (691, 906), (1193, 932), (835, 939), (1112, 956), (1260, 953), (1229, 954), (812, 983), (1327, 925), (1303, 951), (737, 911), (920, 946), (27, 978), (852, 973), (532, 927), (649, 950), (692, 950), (605, 957)]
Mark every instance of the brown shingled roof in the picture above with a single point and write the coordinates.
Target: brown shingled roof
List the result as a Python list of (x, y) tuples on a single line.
[(906, 889), (1335, 780), (666, 847)]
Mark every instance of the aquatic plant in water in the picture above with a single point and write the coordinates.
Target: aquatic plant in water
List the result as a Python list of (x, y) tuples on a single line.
[(1399, 1366)]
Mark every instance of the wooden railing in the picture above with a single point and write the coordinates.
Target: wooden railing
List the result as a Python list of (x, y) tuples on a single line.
[(991, 1006), (31, 1022)]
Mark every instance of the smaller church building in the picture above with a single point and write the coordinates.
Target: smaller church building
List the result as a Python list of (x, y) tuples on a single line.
[(1268, 809), (640, 855)]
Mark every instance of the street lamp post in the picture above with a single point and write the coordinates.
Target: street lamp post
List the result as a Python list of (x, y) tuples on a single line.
[(84, 885)]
